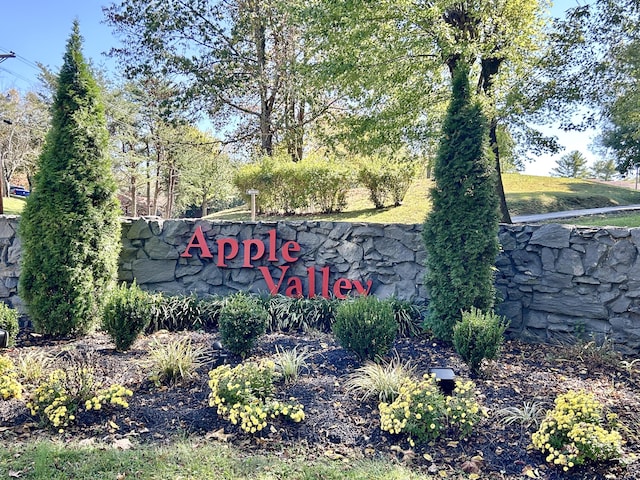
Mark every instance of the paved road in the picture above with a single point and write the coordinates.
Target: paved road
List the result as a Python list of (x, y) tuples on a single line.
[(572, 213)]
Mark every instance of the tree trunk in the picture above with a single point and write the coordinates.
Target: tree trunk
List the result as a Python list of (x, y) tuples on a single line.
[(505, 217), (489, 68)]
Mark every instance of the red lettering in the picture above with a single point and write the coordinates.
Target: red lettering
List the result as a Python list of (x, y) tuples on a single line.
[(273, 287), (294, 288), (311, 274), (197, 241), (246, 249), (273, 257), (222, 256), (341, 288), (360, 288), (290, 247), (325, 282)]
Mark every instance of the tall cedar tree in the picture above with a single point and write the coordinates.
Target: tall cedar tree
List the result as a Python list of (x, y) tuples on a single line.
[(70, 228), (461, 232)]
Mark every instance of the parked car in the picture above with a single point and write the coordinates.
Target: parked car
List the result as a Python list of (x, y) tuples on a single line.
[(18, 191)]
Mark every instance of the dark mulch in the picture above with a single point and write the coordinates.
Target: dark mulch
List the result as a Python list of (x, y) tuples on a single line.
[(338, 425)]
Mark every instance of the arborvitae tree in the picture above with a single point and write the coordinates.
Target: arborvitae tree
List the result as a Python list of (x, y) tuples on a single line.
[(70, 229), (461, 231)]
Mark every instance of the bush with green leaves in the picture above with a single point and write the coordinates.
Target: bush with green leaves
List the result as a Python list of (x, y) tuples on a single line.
[(574, 432), (70, 226), (314, 184), (366, 326), (245, 394), (461, 231), (127, 313), (242, 320), (479, 336), (9, 322), (387, 177)]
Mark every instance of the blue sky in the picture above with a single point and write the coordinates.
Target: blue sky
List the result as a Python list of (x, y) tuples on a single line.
[(37, 31)]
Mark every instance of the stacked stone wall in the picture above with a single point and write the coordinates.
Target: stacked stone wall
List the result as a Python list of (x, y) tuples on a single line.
[(556, 281)]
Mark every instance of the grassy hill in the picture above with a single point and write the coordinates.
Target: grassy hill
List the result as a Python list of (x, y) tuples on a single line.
[(526, 194), (13, 205)]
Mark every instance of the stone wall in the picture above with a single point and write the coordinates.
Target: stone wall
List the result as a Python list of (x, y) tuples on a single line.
[(556, 281), (559, 281), (387, 258)]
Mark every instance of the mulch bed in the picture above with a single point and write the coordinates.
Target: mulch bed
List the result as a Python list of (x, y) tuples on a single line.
[(337, 425)]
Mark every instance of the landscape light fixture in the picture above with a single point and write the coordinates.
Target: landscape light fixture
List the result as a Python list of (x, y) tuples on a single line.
[(219, 354), (4, 338), (445, 377)]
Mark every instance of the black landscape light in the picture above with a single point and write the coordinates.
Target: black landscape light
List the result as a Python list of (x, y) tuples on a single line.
[(4, 338), (219, 354), (446, 378)]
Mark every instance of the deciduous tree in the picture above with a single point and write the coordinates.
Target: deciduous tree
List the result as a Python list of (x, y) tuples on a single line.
[(237, 60)]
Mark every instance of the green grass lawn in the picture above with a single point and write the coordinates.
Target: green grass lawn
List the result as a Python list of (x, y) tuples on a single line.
[(13, 205), (192, 459), (526, 194)]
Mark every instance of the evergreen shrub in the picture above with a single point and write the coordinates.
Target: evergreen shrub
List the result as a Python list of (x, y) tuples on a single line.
[(9, 322), (366, 326), (461, 231), (479, 336), (127, 313), (242, 320), (70, 226)]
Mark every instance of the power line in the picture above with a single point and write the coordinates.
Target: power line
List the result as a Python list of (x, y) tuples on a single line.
[(4, 56), (22, 59), (17, 75)]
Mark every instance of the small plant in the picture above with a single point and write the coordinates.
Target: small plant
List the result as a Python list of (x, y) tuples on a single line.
[(174, 361), (366, 326), (479, 336), (422, 410), (630, 366), (529, 414), (114, 395), (32, 365), (289, 363), (58, 400), (179, 312), (242, 320), (300, 314), (381, 381), (127, 313), (9, 322), (244, 395), (409, 317), (572, 433), (9, 385), (594, 352)]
